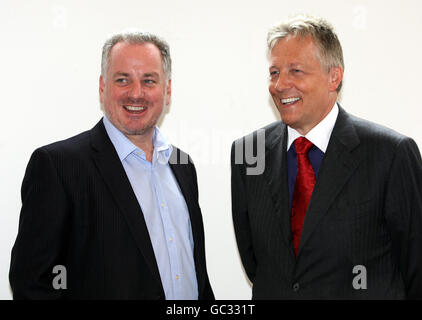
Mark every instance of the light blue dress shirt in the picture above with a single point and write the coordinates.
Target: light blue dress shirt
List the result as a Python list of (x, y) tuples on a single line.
[(165, 211)]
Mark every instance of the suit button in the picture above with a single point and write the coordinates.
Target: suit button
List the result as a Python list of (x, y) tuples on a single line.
[(296, 287)]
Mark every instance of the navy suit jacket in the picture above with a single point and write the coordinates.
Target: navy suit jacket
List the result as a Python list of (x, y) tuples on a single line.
[(79, 211), (365, 210)]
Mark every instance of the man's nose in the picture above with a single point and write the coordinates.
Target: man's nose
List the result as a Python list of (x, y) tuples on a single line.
[(283, 82), (136, 90)]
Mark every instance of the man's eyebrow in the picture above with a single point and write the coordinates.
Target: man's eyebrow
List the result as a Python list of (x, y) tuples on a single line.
[(146, 75), (297, 64), (290, 65), (118, 74), (151, 74)]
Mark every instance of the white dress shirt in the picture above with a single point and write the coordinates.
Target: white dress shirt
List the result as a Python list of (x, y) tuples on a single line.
[(320, 134)]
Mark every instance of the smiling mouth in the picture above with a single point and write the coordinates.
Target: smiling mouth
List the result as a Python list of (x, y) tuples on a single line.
[(289, 101), (134, 109)]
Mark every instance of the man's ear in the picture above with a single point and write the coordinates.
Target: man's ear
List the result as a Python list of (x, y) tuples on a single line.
[(101, 88), (168, 92), (336, 75)]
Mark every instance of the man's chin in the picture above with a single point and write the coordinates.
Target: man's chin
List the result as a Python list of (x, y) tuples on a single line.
[(287, 119), (291, 117), (137, 131)]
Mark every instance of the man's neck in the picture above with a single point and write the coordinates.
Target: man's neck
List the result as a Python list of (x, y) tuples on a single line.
[(144, 142), (305, 129), (320, 134)]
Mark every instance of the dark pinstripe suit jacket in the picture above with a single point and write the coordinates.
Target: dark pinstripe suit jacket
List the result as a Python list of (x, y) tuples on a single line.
[(366, 209), (80, 211)]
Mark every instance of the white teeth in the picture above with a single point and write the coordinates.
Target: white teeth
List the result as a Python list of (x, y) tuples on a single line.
[(132, 108), (289, 100)]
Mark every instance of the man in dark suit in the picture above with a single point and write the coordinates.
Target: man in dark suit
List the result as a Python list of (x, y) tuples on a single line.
[(337, 210), (113, 212)]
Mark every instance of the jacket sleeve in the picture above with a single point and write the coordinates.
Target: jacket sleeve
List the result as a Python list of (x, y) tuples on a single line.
[(240, 217), (42, 230), (404, 214)]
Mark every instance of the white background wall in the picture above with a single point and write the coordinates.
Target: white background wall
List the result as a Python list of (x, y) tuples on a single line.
[(50, 64)]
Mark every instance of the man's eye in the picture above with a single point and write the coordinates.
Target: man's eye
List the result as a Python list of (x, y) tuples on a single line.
[(274, 75), (121, 80), (149, 81), (297, 70)]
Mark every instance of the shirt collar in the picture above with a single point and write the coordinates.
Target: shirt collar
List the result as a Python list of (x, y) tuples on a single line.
[(162, 148), (124, 147), (320, 134)]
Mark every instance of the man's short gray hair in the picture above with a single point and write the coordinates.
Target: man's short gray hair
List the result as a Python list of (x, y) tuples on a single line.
[(330, 51), (136, 37)]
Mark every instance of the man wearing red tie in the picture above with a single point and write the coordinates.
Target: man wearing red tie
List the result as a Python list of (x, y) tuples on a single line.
[(337, 211)]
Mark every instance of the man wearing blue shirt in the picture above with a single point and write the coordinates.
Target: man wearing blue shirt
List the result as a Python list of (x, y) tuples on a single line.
[(116, 207)]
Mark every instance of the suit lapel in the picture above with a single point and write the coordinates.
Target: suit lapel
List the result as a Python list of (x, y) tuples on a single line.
[(114, 175), (276, 177), (180, 173), (337, 167)]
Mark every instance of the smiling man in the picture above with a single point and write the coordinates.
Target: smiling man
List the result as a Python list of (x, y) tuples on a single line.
[(337, 212), (136, 92), (112, 208)]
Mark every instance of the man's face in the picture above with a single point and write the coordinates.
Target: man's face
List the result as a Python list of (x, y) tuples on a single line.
[(134, 91), (302, 89)]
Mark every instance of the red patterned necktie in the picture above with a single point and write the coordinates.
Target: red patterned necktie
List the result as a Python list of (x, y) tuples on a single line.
[(305, 182)]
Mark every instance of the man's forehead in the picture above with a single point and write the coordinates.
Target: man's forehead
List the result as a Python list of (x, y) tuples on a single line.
[(294, 43), (125, 43), (146, 54), (294, 49), (146, 49)]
